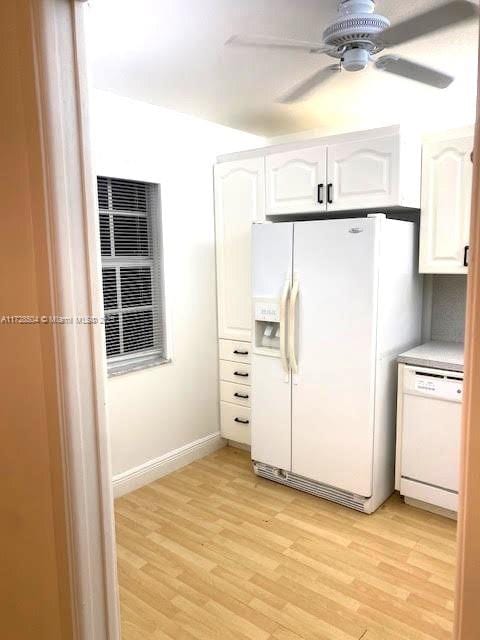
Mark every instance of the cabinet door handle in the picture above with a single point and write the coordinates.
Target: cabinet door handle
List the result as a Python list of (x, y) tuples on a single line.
[(242, 421), (240, 353), (242, 374), (244, 396), (465, 255), (329, 193), (320, 193)]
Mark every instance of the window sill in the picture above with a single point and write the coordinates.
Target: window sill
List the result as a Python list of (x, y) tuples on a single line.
[(121, 368)]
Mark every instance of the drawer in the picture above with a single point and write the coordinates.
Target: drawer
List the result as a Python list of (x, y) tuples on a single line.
[(235, 351), (235, 372), (235, 422), (235, 393)]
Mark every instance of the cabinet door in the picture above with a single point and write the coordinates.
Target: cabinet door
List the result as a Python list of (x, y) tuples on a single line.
[(296, 181), (364, 174), (446, 201), (239, 201)]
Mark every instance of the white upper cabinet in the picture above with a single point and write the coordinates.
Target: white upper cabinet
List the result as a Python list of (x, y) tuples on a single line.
[(446, 202), (364, 174), (239, 201), (296, 181), (366, 171)]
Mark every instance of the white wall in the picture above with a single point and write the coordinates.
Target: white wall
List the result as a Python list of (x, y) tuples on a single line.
[(157, 410), (421, 110)]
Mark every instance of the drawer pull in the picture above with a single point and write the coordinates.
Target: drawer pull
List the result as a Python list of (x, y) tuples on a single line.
[(240, 353), (241, 374), (244, 396), (242, 420)]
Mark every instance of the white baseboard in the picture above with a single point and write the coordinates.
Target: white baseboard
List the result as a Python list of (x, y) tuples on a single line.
[(239, 445), (153, 469)]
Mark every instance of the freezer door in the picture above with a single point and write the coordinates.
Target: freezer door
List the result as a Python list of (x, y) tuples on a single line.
[(271, 381), (336, 267)]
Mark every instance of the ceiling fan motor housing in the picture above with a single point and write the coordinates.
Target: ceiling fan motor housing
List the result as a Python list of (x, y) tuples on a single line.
[(353, 32)]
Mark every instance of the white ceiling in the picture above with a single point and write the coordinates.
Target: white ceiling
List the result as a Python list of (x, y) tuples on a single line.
[(171, 53)]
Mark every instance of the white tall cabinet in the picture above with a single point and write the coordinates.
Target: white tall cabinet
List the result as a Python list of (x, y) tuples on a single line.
[(446, 202), (239, 202)]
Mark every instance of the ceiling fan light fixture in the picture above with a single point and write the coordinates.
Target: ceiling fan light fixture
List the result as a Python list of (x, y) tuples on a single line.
[(355, 59), (356, 6)]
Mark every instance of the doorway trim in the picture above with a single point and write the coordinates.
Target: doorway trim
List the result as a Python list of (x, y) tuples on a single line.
[(467, 596), (58, 41), (57, 30)]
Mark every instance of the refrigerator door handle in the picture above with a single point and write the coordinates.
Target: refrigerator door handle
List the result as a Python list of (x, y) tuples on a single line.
[(283, 325), (292, 326)]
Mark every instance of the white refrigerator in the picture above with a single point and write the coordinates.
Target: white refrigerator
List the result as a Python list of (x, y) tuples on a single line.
[(334, 303)]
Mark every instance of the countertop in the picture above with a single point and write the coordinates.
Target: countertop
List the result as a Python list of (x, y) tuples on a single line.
[(436, 355)]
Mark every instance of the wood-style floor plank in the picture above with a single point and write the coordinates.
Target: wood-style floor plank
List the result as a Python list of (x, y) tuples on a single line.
[(212, 552)]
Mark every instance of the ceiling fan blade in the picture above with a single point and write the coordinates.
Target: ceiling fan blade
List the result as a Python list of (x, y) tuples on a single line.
[(305, 87), (270, 42), (446, 15), (413, 71)]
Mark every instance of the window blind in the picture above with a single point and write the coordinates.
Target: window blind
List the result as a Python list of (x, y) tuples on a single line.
[(132, 272)]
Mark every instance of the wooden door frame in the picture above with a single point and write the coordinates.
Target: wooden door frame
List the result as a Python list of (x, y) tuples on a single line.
[(57, 35), (467, 597), (56, 61)]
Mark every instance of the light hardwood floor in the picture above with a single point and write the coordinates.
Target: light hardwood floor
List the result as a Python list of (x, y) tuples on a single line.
[(211, 552)]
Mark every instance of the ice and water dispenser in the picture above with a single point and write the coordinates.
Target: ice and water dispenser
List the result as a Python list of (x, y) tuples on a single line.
[(267, 325)]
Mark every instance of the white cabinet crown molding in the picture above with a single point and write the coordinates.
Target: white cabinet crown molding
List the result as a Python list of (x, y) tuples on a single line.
[(305, 141)]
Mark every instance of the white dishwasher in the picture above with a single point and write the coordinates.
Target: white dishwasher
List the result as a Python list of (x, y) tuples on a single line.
[(428, 435)]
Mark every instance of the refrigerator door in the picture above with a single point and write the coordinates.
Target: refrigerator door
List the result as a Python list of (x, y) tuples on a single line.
[(336, 268), (272, 246)]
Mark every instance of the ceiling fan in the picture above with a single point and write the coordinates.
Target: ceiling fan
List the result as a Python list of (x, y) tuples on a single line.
[(359, 33)]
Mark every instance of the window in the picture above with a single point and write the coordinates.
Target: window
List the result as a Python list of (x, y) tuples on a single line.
[(132, 273)]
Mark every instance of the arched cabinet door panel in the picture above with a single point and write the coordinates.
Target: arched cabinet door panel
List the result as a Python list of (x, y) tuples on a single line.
[(364, 174), (239, 202), (446, 202), (296, 181)]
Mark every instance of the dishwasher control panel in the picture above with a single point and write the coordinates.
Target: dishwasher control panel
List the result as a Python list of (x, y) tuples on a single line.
[(436, 383)]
